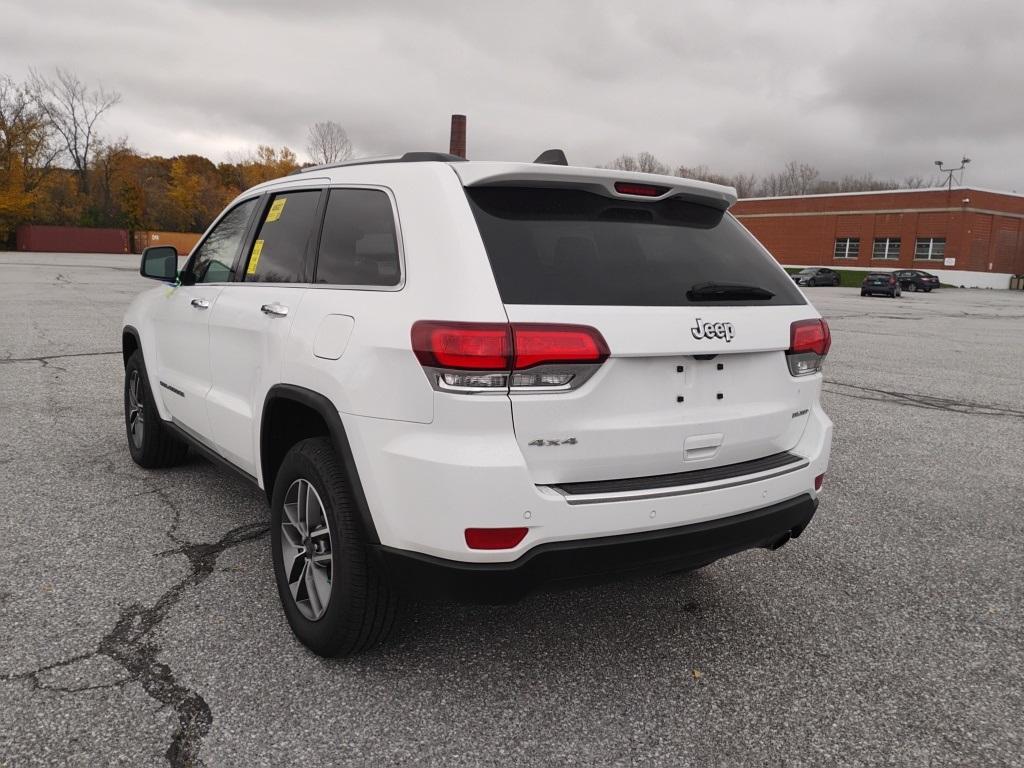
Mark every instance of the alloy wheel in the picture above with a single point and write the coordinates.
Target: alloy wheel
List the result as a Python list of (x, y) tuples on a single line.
[(136, 414), (306, 549)]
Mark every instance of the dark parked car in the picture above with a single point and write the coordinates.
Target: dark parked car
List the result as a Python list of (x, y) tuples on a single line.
[(916, 280), (816, 276), (884, 283)]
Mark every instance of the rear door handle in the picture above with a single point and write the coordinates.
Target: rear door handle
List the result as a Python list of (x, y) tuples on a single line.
[(200, 304), (274, 310)]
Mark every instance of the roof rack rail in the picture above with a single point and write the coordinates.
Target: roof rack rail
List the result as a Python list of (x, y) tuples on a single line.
[(408, 157)]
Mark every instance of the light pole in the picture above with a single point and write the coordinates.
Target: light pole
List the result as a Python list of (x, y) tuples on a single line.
[(950, 171)]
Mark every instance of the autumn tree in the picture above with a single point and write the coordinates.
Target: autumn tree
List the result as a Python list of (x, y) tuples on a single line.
[(264, 164), (73, 110), (328, 142), (27, 154), (113, 197)]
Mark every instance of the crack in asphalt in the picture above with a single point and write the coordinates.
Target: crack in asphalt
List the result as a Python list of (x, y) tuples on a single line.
[(915, 400), (129, 644), (45, 359)]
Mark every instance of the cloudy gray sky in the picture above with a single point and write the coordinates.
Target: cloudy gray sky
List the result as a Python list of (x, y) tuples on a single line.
[(851, 87)]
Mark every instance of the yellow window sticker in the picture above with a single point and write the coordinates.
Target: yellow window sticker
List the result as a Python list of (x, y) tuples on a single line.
[(276, 208), (257, 249)]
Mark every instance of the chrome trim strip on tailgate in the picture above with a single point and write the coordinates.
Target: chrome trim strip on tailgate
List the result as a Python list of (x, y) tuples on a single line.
[(681, 483)]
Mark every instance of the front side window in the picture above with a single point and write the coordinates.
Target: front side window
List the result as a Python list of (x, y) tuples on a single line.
[(847, 248), (279, 253), (886, 248), (359, 245), (930, 248), (214, 259)]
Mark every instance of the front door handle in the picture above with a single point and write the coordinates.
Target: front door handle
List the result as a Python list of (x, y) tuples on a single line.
[(274, 310), (200, 304)]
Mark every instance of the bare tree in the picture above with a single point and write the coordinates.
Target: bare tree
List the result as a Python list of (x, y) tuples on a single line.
[(624, 163), (795, 178), (745, 184), (648, 163), (644, 162), (73, 110), (328, 143), (27, 146)]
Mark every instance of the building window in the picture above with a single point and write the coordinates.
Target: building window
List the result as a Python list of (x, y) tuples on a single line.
[(930, 248), (886, 248), (847, 248)]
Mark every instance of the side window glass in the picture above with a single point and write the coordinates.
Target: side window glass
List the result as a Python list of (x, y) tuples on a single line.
[(278, 254), (359, 245), (214, 259)]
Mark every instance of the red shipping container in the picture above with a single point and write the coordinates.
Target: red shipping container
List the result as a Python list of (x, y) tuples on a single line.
[(183, 241), (36, 237)]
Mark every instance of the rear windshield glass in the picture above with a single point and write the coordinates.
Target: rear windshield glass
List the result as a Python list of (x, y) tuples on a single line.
[(567, 246)]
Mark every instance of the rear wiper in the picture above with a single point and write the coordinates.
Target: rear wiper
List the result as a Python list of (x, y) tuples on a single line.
[(726, 291)]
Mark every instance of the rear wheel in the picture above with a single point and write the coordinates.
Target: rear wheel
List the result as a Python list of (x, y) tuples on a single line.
[(336, 599), (150, 443), (912, 287), (863, 293), (927, 290)]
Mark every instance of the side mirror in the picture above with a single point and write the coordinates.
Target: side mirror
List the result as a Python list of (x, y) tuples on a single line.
[(160, 263)]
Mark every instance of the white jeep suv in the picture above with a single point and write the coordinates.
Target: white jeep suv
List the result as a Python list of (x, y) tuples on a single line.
[(476, 378)]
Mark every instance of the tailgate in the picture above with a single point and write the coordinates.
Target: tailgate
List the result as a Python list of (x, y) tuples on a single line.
[(695, 378)]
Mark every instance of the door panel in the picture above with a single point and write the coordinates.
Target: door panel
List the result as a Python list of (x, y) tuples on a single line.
[(247, 347), (182, 353)]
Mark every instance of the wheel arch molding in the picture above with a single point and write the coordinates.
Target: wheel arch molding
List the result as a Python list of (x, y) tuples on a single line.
[(290, 399), (130, 342)]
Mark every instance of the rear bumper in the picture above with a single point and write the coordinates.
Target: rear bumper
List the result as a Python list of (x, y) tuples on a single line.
[(567, 563)]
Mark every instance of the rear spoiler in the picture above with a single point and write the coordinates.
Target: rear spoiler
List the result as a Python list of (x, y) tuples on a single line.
[(601, 181)]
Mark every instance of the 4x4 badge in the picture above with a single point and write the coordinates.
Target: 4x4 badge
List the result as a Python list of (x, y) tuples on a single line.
[(705, 330)]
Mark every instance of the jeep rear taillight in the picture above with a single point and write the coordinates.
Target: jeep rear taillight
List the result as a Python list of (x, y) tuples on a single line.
[(502, 357), (809, 342), (464, 346), (537, 344)]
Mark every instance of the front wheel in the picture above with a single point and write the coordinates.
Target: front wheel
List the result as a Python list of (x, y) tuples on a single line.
[(912, 287), (150, 443), (335, 597)]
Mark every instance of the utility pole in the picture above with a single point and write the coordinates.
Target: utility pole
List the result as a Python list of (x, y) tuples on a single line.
[(950, 171)]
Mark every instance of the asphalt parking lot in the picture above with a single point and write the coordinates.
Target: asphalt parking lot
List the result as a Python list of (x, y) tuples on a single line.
[(140, 623)]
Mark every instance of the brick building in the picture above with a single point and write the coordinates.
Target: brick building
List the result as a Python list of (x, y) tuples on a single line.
[(974, 237)]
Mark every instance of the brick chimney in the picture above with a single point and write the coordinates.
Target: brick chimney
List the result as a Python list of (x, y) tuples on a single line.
[(457, 144)]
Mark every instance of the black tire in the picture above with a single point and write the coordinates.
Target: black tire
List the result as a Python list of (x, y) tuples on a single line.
[(150, 443), (863, 293), (927, 290), (835, 282), (361, 607)]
